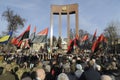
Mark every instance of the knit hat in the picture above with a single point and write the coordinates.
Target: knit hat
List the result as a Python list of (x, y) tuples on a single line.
[(62, 76), (106, 77), (79, 67)]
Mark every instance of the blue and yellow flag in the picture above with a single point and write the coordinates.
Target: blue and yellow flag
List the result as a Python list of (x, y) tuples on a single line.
[(5, 39)]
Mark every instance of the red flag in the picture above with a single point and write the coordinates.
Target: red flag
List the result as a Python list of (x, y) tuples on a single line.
[(85, 38), (101, 38), (43, 32), (95, 45)]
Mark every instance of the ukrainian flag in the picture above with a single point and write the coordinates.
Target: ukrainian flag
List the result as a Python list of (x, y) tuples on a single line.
[(5, 39)]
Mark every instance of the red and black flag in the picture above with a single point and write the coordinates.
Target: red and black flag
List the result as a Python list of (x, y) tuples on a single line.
[(95, 46), (98, 43), (103, 41), (70, 47), (101, 38), (41, 36), (84, 41), (94, 36), (77, 41), (32, 36), (85, 38), (18, 40)]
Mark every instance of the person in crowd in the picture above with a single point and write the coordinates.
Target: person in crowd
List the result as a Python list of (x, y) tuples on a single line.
[(90, 73), (106, 77), (73, 64), (33, 75), (66, 66), (55, 70), (48, 74), (14, 70), (40, 74), (20, 71), (112, 66), (62, 76), (26, 76), (1, 70), (79, 71), (8, 74)]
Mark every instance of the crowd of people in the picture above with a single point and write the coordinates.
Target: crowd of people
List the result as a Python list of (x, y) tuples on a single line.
[(59, 66)]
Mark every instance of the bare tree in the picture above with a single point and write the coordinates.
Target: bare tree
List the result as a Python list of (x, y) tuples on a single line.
[(112, 36), (111, 33), (14, 20)]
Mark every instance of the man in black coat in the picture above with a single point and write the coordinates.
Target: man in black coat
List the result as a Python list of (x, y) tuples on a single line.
[(90, 73)]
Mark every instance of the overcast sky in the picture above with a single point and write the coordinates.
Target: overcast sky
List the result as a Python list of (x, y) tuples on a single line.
[(93, 14)]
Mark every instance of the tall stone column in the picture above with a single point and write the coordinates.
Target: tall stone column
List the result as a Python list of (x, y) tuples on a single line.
[(51, 30), (60, 27), (68, 27)]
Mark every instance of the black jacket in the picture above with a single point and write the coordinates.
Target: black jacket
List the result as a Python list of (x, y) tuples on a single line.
[(90, 74)]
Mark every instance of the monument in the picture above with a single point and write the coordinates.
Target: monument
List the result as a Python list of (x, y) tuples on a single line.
[(63, 10)]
